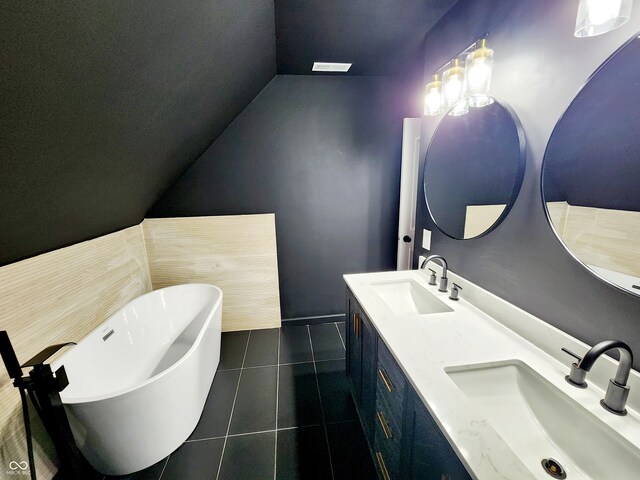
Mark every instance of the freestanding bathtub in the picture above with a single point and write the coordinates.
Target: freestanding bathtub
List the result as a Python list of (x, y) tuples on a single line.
[(138, 383)]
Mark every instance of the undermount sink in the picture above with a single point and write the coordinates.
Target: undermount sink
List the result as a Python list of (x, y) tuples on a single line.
[(408, 297), (538, 421)]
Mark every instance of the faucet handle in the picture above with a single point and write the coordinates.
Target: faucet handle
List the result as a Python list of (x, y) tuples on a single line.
[(454, 292), (577, 376), (432, 278), (574, 355)]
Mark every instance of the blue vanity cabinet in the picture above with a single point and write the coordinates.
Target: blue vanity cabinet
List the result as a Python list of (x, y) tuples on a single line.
[(354, 347), (404, 440), (429, 455), (391, 388), (361, 364)]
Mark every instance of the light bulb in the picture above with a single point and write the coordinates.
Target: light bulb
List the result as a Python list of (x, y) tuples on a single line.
[(433, 97), (479, 69), (478, 73), (602, 11), (453, 87), (433, 101), (453, 83)]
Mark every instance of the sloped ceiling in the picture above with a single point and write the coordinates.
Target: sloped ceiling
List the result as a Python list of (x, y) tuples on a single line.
[(104, 104)]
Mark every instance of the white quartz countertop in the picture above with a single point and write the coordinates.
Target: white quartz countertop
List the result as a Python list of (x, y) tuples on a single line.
[(425, 345)]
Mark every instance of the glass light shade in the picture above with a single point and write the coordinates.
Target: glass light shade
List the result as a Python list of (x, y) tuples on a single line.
[(461, 108), (453, 83), (433, 97), (596, 17), (478, 71)]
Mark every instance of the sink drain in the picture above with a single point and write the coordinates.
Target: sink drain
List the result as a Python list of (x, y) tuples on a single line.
[(553, 468)]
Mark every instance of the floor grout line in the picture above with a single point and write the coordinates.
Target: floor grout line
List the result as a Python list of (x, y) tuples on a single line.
[(340, 335), (243, 434), (275, 456), (224, 446), (326, 433), (231, 435), (164, 467), (195, 440), (299, 426), (282, 364)]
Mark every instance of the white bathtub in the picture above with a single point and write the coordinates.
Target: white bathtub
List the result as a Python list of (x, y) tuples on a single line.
[(138, 383)]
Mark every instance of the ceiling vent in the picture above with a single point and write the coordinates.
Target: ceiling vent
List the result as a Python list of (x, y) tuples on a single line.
[(330, 67)]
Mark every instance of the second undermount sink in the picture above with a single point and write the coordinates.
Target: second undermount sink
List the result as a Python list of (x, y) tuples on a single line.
[(538, 421), (408, 297)]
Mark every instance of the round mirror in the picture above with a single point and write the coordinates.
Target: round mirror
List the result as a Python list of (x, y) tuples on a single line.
[(473, 169), (591, 172)]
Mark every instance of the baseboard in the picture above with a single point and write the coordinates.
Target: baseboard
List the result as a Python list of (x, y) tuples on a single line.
[(338, 317)]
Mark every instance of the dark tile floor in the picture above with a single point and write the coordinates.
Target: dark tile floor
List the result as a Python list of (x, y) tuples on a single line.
[(279, 408)]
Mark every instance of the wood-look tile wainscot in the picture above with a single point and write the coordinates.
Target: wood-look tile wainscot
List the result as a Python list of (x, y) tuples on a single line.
[(237, 253), (599, 236), (63, 295), (58, 297), (480, 217)]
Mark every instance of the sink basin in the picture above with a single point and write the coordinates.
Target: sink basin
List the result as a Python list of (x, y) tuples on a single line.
[(408, 297), (537, 420)]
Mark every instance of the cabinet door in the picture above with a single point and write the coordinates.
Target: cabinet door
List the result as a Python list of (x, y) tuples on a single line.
[(431, 456), (354, 349), (368, 365)]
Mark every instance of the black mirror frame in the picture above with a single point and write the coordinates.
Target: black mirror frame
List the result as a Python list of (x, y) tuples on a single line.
[(545, 162), (522, 161)]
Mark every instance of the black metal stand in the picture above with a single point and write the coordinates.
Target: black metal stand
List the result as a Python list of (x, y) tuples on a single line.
[(44, 387)]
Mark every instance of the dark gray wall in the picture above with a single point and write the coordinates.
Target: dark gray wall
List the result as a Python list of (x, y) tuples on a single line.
[(539, 68), (104, 104), (323, 153)]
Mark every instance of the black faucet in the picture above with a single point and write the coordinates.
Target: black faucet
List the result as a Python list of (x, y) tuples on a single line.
[(615, 399)]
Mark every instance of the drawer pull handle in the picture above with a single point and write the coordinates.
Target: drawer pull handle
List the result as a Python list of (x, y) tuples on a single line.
[(385, 426), (385, 379), (383, 467), (356, 324)]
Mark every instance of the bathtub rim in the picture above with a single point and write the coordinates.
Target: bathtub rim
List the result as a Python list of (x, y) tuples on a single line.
[(97, 398)]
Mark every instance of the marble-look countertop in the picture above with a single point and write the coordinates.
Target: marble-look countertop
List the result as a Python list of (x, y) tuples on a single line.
[(424, 345)]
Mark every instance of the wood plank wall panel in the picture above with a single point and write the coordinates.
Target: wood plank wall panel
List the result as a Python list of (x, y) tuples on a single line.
[(58, 297), (236, 253)]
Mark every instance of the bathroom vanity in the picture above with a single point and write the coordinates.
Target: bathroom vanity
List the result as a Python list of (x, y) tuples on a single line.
[(476, 388), (404, 439)]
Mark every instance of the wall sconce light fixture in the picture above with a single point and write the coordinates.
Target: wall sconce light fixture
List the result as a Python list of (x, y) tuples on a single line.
[(596, 17), (433, 96), (462, 82)]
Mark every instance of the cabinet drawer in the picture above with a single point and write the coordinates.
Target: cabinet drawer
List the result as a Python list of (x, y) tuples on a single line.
[(387, 457), (388, 424), (391, 382)]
